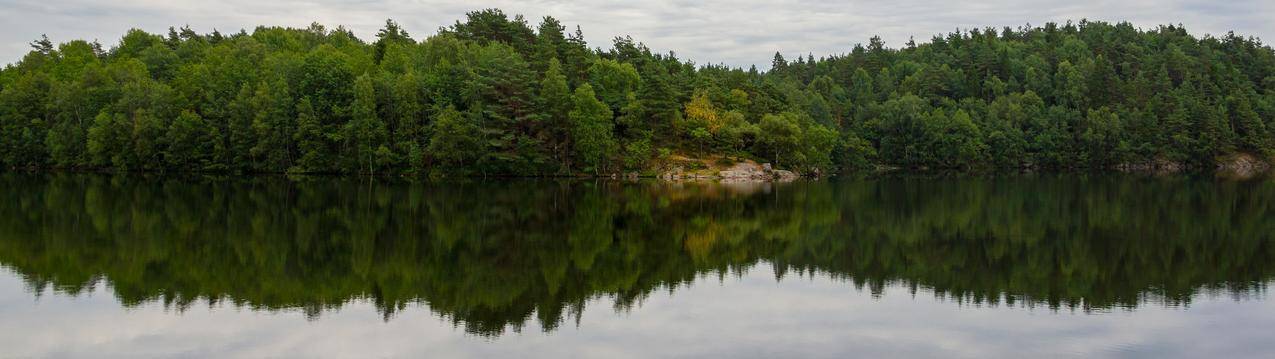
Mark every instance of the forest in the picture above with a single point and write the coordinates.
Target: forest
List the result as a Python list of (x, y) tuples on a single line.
[(495, 95)]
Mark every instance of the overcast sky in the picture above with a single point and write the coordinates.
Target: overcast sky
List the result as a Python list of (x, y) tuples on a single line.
[(738, 32)]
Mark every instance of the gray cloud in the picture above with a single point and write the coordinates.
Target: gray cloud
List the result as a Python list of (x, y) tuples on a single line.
[(738, 33)]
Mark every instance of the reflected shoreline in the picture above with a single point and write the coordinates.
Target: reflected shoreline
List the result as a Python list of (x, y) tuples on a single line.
[(494, 255)]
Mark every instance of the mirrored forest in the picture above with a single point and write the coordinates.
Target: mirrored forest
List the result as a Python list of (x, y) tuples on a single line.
[(500, 256)]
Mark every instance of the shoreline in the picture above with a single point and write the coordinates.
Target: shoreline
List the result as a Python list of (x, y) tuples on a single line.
[(778, 176)]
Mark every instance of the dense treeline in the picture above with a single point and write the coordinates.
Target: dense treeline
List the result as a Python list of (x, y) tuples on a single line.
[(491, 255), (495, 95)]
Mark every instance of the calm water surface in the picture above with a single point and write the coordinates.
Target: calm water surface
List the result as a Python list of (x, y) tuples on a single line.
[(1038, 266)]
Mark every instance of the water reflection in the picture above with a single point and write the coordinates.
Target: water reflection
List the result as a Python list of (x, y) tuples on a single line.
[(495, 256)]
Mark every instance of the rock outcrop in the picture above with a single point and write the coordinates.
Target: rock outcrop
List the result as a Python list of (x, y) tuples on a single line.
[(1242, 165), (747, 171), (1156, 166)]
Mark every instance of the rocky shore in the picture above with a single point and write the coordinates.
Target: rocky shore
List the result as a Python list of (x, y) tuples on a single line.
[(739, 172), (1236, 164)]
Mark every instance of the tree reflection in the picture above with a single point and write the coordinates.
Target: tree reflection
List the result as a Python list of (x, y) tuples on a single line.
[(491, 255)]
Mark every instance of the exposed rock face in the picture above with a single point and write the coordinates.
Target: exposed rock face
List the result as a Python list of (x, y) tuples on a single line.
[(672, 175), (1236, 164), (1243, 165), (740, 172), (745, 171), (784, 176), (1157, 166)]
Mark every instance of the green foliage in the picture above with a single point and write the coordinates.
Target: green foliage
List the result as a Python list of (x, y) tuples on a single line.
[(311, 139), (954, 140), (1087, 94), (614, 82), (556, 104), (273, 126), (780, 138), (365, 133), (189, 140), (591, 128), (505, 99), (455, 143)]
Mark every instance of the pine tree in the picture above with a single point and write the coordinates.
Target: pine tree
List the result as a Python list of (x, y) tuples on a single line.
[(551, 44), (659, 109), (506, 100), (391, 34)]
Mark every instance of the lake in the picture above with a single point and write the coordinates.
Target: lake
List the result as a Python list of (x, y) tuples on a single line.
[(1010, 266)]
